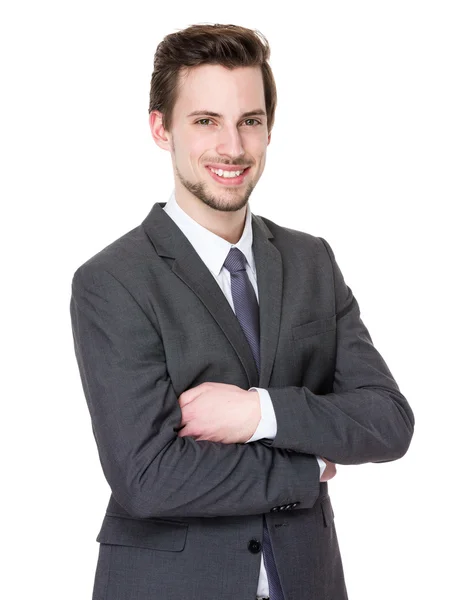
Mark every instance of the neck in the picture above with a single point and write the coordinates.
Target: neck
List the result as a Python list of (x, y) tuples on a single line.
[(228, 225)]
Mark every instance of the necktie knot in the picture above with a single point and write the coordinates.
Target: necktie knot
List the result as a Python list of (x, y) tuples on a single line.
[(235, 261)]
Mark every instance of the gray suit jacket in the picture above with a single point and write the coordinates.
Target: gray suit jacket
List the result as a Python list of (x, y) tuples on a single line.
[(185, 517)]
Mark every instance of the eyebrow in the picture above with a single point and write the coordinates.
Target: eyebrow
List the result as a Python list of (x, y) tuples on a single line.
[(209, 113)]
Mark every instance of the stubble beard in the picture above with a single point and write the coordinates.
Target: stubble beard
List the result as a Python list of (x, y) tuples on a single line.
[(233, 200)]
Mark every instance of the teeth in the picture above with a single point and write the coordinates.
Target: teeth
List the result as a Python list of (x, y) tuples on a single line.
[(227, 174)]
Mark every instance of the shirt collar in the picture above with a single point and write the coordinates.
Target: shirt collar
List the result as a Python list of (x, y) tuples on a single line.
[(212, 248)]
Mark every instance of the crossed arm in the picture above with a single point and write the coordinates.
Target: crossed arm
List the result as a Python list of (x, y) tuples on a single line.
[(365, 418), (135, 414), (220, 412)]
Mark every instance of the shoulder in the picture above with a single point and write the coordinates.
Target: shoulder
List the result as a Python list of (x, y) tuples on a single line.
[(289, 240), (129, 253)]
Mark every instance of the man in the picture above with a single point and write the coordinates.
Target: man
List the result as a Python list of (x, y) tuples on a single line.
[(223, 359)]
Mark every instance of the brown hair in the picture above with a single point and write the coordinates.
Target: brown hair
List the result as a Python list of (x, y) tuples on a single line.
[(227, 45)]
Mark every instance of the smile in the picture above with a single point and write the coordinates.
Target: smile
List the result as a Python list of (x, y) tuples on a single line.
[(228, 177)]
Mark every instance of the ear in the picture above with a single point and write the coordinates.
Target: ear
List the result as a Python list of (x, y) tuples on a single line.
[(269, 138), (161, 137)]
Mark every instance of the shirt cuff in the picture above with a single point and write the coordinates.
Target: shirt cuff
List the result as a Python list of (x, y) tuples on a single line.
[(322, 465), (267, 425)]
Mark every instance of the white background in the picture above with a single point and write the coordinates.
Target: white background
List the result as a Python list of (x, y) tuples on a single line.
[(360, 155)]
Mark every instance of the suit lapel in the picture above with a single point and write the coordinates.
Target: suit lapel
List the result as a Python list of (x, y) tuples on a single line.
[(170, 242), (269, 274)]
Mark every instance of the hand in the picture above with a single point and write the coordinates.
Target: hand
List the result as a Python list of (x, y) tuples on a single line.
[(219, 412), (329, 472)]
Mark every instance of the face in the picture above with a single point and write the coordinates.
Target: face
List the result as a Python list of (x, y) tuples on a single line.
[(219, 128)]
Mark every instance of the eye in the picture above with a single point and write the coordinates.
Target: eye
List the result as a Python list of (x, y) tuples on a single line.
[(201, 121), (255, 120)]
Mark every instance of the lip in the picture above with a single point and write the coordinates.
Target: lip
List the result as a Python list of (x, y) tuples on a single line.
[(230, 181)]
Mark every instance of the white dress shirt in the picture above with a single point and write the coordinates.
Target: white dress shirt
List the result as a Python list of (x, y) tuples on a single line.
[(213, 251)]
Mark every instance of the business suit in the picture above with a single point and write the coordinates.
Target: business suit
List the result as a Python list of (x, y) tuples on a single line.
[(185, 517)]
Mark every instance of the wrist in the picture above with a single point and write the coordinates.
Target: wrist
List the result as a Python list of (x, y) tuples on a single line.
[(257, 404)]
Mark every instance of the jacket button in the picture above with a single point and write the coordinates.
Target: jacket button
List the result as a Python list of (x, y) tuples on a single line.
[(254, 546)]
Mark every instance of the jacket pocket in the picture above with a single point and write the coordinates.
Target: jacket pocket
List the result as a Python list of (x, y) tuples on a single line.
[(313, 328), (154, 535)]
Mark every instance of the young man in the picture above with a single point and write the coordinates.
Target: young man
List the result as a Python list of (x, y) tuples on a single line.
[(223, 359)]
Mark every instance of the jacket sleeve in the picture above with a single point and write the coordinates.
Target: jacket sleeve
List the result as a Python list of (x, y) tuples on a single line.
[(365, 418), (134, 413)]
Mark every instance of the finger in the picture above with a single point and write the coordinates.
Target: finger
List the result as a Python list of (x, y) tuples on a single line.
[(190, 395), (183, 432)]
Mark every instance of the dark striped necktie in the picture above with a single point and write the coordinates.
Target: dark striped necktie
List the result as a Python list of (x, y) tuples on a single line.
[(247, 312)]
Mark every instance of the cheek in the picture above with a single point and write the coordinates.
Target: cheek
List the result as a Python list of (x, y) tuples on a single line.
[(257, 146), (201, 151), (260, 157), (192, 144), (187, 144)]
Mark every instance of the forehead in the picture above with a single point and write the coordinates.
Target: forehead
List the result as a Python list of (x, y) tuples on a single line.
[(217, 88)]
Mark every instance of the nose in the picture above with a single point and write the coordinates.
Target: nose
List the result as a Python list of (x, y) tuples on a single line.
[(230, 141)]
